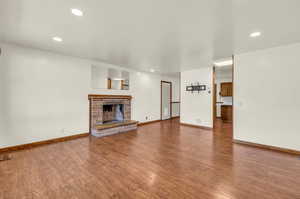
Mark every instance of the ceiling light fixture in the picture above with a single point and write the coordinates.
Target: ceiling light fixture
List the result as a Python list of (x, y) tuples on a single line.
[(152, 70), (255, 34), (57, 39), (224, 63), (76, 12)]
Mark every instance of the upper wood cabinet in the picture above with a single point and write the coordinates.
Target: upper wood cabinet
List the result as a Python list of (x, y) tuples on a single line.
[(226, 89)]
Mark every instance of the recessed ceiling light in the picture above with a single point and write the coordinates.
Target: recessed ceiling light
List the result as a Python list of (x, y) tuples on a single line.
[(152, 70), (76, 12), (58, 39), (255, 34), (224, 63)]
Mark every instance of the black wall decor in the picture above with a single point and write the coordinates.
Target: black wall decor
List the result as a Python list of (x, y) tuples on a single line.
[(197, 87), (189, 88)]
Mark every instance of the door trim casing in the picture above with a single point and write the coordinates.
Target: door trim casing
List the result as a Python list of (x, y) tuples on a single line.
[(233, 83), (161, 83)]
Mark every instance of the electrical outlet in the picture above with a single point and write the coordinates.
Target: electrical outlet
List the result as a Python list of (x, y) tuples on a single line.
[(62, 130)]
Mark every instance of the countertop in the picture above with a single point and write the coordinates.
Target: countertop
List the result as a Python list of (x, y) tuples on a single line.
[(224, 103)]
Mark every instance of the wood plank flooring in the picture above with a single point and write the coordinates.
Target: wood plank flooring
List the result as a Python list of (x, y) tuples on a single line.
[(159, 160)]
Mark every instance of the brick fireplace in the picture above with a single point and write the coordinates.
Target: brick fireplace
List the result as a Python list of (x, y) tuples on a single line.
[(110, 114)]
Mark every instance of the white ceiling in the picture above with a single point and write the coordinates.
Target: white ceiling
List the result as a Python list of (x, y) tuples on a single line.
[(167, 35)]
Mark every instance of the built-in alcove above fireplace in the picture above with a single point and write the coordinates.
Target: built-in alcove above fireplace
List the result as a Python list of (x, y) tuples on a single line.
[(110, 114)]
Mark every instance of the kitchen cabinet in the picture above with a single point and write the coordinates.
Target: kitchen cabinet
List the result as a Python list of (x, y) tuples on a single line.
[(226, 113), (226, 89)]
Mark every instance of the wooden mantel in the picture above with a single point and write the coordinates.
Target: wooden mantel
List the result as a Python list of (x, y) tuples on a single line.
[(92, 96)]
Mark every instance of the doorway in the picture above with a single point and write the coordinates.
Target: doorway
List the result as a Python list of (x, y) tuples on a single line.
[(223, 94), (166, 100)]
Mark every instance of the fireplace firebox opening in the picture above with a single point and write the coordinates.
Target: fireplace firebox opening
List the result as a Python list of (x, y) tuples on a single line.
[(113, 113)]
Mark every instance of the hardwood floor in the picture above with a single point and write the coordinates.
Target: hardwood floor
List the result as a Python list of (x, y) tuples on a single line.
[(160, 160)]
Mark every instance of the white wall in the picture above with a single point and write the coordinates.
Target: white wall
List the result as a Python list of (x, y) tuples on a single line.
[(44, 95), (175, 109), (99, 76), (266, 97), (196, 108)]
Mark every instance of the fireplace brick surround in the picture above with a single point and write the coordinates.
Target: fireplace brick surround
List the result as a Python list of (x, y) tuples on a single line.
[(98, 116)]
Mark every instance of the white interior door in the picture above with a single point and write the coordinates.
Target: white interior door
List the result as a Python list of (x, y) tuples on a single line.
[(165, 100)]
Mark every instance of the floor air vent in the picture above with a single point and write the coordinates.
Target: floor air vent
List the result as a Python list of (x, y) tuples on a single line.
[(5, 157)]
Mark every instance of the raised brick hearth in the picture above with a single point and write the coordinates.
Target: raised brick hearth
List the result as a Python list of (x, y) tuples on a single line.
[(103, 111)]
